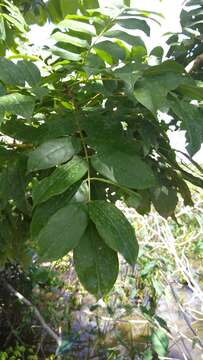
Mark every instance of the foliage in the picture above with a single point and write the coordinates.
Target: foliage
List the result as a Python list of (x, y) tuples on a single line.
[(108, 324), (187, 46), (83, 128)]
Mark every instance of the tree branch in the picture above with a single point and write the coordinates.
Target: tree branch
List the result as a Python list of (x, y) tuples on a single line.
[(194, 64), (40, 318)]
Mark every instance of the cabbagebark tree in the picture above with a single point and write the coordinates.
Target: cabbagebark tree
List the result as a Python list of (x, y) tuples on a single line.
[(85, 128)]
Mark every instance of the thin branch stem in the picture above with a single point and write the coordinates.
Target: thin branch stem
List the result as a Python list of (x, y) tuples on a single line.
[(111, 183), (108, 25), (191, 160), (40, 318), (85, 152)]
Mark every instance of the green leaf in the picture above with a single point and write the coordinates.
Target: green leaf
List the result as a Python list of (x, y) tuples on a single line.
[(60, 180), (77, 26), (65, 54), (61, 37), (147, 355), (96, 264), (129, 74), (2, 29), (2, 90), (93, 64), (28, 72), (69, 7), (134, 24), (158, 287), (126, 169), (138, 53), (108, 49), (18, 74), (191, 117), (12, 185), (127, 2), (152, 100), (90, 4), (61, 124), (158, 53), (145, 202), (169, 66), (64, 347), (194, 92), (17, 24), (128, 38), (114, 229), (54, 10), (52, 153), (194, 2), (104, 56), (62, 232), (18, 104), (132, 200), (56, 126), (163, 83), (44, 211), (22, 131), (160, 342), (164, 200)]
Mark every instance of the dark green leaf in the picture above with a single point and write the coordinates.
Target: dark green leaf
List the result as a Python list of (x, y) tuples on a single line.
[(145, 202), (156, 100), (193, 92), (107, 49), (114, 229), (60, 180), (69, 7), (28, 72), (19, 130), (91, 4), (93, 64), (65, 54), (164, 200), (60, 124), (54, 10), (133, 200), (129, 74), (192, 121), (152, 100), (17, 104), (13, 185), (158, 53), (128, 38), (62, 232), (2, 90), (44, 211), (52, 153), (126, 169), (134, 24), (169, 66), (18, 74), (96, 264)]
